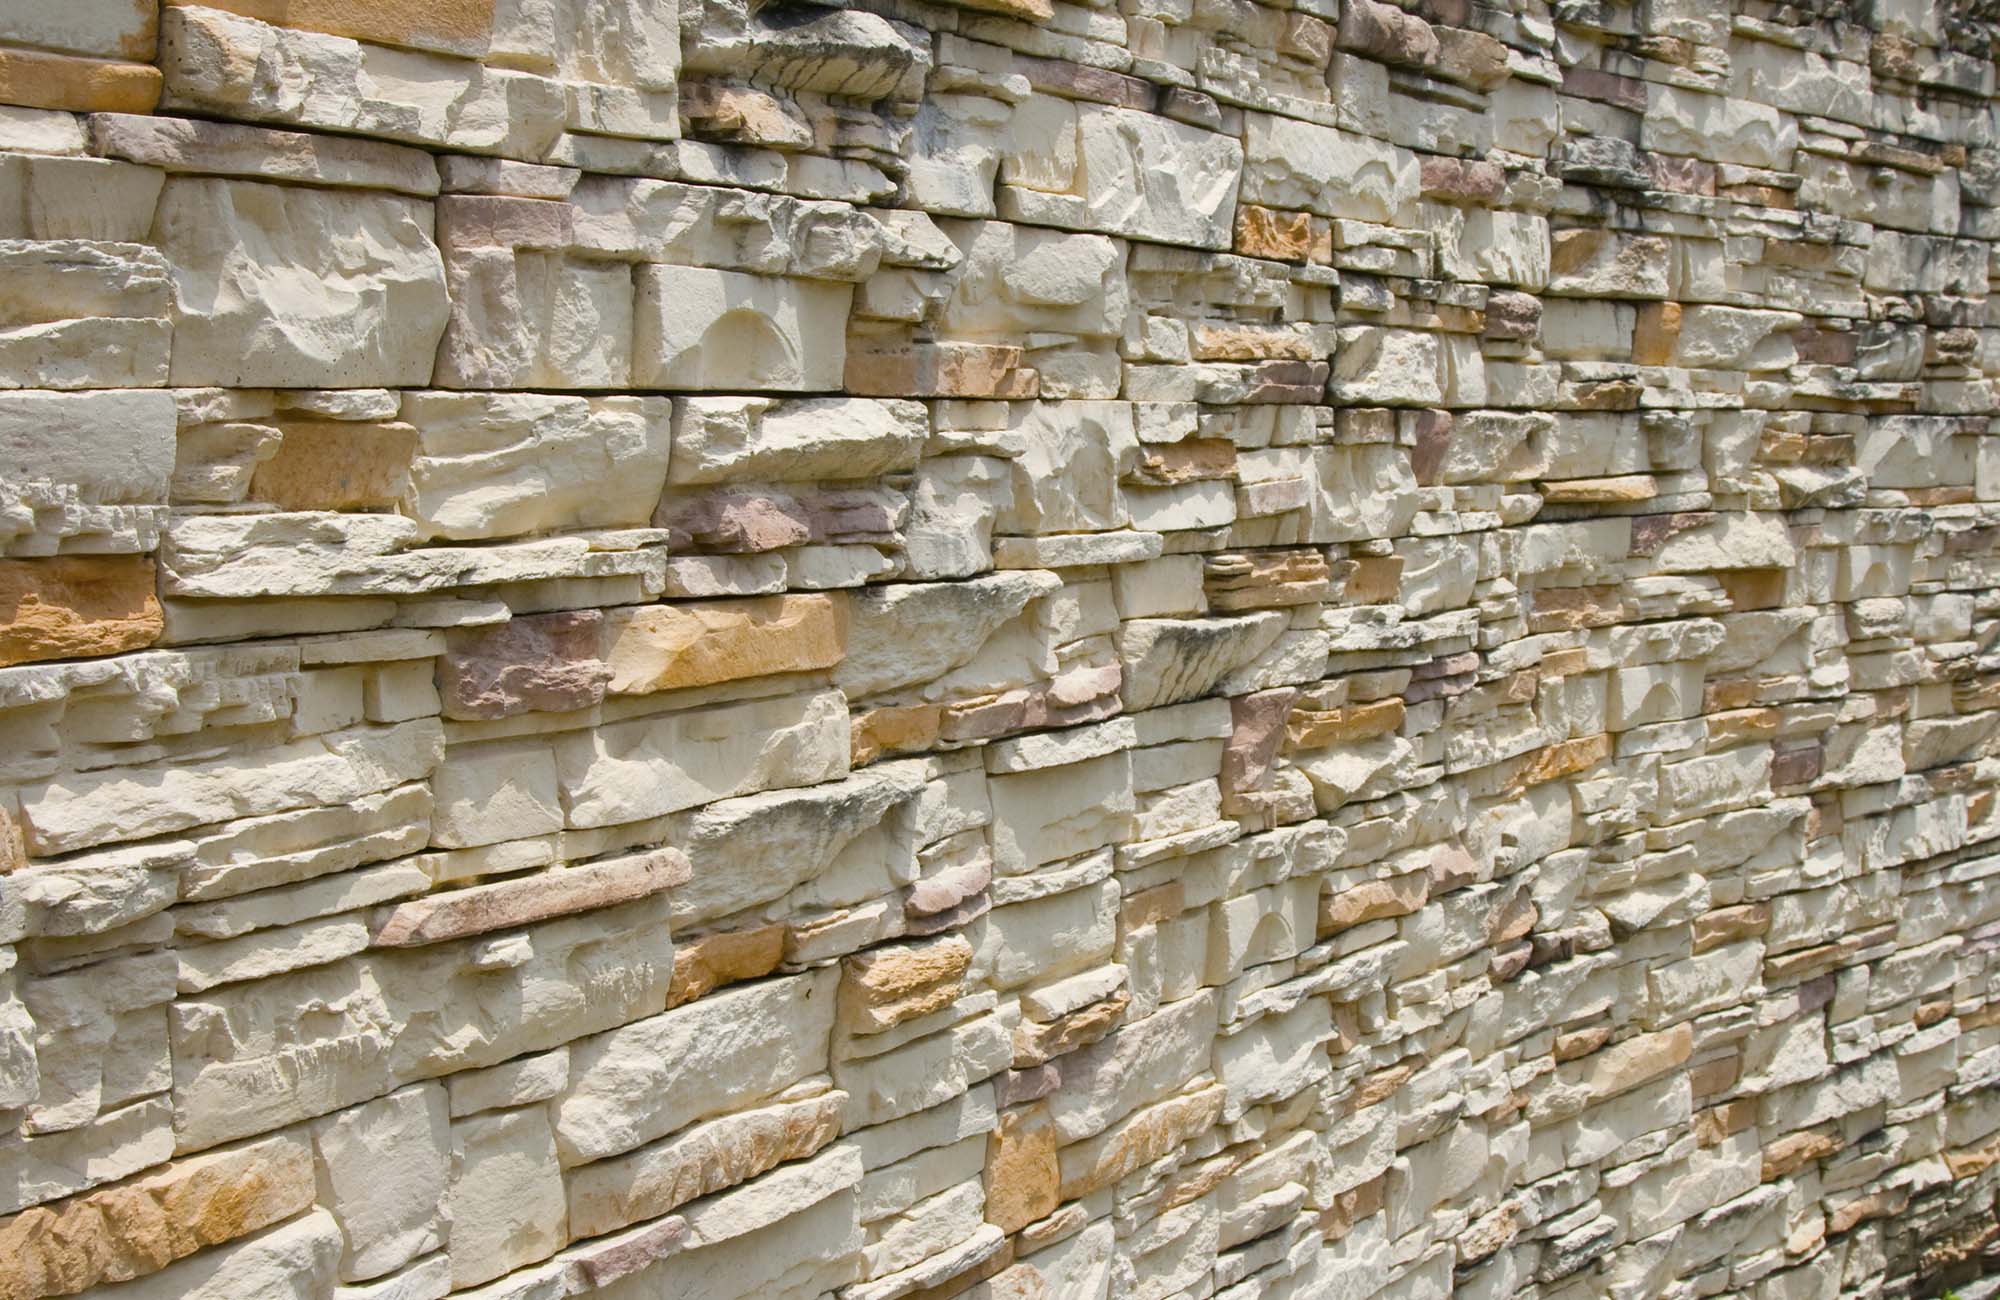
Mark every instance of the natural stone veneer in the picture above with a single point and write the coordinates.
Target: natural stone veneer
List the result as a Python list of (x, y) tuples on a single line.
[(999, 648)]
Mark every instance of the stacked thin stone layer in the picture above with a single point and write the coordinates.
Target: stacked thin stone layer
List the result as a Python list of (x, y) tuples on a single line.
[(1029, 651)]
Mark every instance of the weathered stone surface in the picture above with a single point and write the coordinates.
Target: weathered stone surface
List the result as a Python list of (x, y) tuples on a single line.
[(505, 1198), (527, 899), (703, 329), (1096, 167), (717, 439), (648, 766), (714, 1055), (502, 464), (997, 649), (73, 607), (140, 1226), (705, 1158), (293, 1261), (384, 1166), (666, 647), (83, 314), (299, 288), (543, 661), (188, 145)]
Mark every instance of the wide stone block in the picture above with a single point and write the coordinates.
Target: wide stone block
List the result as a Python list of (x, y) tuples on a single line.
[(704, 329), (138, 1227), (1086, 166), (1293, 164), (719, 439), (76, 606), (297, 288), (643, 767), (720, 1053), (461, 27), (504, 464), (216, 63), (668, 647)]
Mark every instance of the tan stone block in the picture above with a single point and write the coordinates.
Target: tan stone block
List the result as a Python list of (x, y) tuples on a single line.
[(941, 370), (895, 729), (1163, 902), (706, 1158), (1034, 11), (1137, 1141), (1581, 1042), (1381, 1085), (705, 964), (36, 80), (668, 647), (1740, 725), (1351, 1207), (75, 607), (1875, 1205), (1967, 1161), (1273, 233), (1728, 924), (1214, 342), (1371, 901), (1619, 489), (123, 1232), (1318, 728), (1625, 1065), (527, 899), (1656, 333), (463, 27), (1795, 1151), (1022, 1174), (885, 986), (1565, 609), (1191, 460), (1711, 1078), (1562, 759), (1036, 1043), (1266, 579), (1711, 1126), (337, 465), (1373, 579)]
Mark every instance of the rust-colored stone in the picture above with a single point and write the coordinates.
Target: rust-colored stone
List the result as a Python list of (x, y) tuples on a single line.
[(76, 607)]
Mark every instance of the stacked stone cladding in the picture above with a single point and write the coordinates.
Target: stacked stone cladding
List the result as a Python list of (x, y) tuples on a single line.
[(998, 648)]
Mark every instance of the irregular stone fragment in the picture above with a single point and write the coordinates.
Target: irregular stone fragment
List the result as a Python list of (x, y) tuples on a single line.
[(717, 439), (1094, 167), (501, 464)]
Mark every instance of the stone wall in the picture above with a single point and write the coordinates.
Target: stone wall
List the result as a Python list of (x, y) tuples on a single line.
[(1024, 650)]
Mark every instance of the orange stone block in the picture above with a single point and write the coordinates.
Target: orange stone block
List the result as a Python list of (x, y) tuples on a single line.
[(337, 465), (33, 79), (76, 607), (462, 27)]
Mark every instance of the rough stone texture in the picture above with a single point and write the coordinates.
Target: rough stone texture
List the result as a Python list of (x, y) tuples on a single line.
[(1000, 648)]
